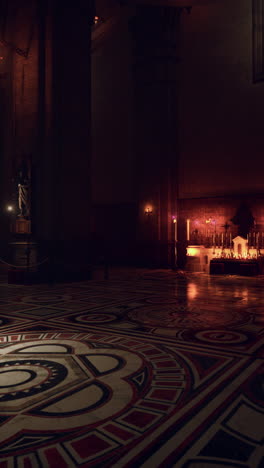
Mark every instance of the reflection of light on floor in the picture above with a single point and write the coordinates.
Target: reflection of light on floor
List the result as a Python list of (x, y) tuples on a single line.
[(237, 292), (241, 293), (192, 291), (244, 294)]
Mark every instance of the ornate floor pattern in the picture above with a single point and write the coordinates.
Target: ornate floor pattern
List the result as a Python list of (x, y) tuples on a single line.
[(151, 368)]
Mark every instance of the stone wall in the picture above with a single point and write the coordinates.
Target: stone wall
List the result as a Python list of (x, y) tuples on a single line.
[(220, 105)]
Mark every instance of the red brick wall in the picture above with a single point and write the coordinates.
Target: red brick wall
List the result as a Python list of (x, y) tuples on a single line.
[(220, 209)]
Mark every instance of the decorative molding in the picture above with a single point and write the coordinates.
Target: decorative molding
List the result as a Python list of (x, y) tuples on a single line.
[(258, 40)]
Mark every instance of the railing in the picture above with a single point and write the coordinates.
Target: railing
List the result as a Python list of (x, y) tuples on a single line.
[(222, 239), (47, 263)]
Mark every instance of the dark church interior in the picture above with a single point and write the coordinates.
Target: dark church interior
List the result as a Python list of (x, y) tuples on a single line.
[(132, 234)]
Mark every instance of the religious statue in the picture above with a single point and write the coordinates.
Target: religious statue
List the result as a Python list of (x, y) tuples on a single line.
[(243, 219), (24, 190)]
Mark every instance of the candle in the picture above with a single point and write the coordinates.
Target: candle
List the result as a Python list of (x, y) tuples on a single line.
[(188, 229)]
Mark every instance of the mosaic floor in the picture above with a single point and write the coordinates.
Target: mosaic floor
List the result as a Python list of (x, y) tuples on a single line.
[(151, 368)]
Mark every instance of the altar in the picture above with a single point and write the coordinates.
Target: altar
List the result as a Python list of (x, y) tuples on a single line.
[(241, 261), (238, 259), (236, 266)]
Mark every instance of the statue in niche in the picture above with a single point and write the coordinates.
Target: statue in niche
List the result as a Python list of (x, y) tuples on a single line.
[(24, 189), (243, 219)]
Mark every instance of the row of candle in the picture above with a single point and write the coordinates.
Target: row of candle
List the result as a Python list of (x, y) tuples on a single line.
[(221, 239), (255, 239), (230, 254)]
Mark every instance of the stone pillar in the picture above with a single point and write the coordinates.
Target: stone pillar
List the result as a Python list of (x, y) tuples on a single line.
[(156, 44), (62, 179)]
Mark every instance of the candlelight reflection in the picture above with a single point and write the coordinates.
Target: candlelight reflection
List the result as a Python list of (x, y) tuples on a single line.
[(192, 291)]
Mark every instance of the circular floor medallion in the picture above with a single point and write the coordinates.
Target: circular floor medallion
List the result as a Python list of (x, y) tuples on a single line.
[(24, 378), (221, 337), (95, 318), (86, 393), (184, 315), (14, 377), (43, 298)]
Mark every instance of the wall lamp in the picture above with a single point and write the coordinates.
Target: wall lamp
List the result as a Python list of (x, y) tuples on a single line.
[(97, 20), (148, 211)]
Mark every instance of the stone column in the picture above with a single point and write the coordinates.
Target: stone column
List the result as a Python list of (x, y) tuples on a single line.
[(156, 60), (62, 182)]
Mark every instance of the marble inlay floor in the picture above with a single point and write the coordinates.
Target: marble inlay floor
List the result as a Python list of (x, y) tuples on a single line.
[(150, 368)]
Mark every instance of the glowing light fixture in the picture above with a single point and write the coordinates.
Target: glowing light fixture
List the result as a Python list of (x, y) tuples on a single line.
[(174, 221), (193, 251), (148, 211), (10, 208), (188, 229), (97, 20)]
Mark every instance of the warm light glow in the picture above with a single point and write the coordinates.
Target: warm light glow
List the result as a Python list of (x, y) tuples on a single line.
[(193, 251), (96, 19), (192, 291), (210, 221), (174, 219), (148, 210), (227, 253), (244, 294), (188, 229), (9, 208)]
